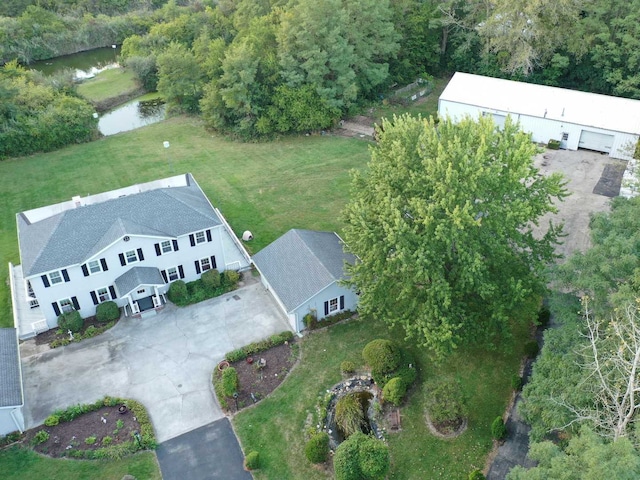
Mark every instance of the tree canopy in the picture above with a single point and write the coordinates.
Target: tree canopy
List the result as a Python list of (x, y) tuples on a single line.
[(441, 224)]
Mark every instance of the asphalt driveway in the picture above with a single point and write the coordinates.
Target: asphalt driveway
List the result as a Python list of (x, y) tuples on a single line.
[(164, 361)]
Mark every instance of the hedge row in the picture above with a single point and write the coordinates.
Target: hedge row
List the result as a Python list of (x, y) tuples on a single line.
[(256, 347)]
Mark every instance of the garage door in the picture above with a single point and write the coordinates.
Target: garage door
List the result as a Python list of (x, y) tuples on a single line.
[(599, 142)]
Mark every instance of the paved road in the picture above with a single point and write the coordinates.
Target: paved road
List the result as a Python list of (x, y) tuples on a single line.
[(164, 361), (210, 452)]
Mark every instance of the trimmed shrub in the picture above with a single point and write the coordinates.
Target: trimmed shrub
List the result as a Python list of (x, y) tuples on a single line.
[(444, 401), (498, 429), (252, 461), (361, 457), (553, 144), (394, 391), (211, 279), (350, 416), (236, 355), (477, 475), (229, 381), (52, 420), (381, 355), (107, 312), (347, 367), (178, 292), (531, 349), (317, 448), (516, 382), (70, 321), (231, 277)]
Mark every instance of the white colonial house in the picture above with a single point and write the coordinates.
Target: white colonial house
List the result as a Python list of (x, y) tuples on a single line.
[(303, 270), (126, 245)]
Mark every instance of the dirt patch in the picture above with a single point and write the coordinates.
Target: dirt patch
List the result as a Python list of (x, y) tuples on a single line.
[(106, 425), (261, 381), (446, 430)]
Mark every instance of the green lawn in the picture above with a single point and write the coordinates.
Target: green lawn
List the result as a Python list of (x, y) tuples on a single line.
[(275, 426), (267, 188), (23, 464), (107, 84)]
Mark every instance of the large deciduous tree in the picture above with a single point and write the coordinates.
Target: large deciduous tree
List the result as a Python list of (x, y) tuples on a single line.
[(441, 225)]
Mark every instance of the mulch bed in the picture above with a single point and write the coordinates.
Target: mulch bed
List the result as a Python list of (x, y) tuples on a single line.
[(71, 435), (47, 337), (262, 381)]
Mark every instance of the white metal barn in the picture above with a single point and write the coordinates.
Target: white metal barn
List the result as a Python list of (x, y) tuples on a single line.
[(577, 119)]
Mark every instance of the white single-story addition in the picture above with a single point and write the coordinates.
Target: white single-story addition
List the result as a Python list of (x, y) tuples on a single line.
[(126, 245), (576, 119), (302, 270), (11, 395)]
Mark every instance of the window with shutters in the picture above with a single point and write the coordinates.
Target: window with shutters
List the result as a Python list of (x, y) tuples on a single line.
[(205, 264), (65, 305), (103, 294), (166, 246), (131, 256), (94, 266), (333, 305), (55, 277), (201, 237), (172, 274)]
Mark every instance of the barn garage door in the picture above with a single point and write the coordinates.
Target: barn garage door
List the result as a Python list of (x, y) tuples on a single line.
[(599, 142)]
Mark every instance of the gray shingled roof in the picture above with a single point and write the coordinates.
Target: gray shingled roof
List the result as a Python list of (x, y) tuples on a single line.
[(137, 276), (301, 263), (10, 381), (73, 236)]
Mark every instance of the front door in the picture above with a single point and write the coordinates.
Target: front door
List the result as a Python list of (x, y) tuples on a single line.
[(145, 303)]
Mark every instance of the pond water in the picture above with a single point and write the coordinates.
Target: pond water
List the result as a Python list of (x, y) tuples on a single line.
[(85, 63), (131, 115)]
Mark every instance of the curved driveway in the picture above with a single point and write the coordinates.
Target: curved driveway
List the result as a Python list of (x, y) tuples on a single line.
[(164, 361)]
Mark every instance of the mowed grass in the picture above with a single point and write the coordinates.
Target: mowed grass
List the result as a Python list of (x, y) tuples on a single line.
[(24, 464), (268, 188), (275, 427), (107, 84)]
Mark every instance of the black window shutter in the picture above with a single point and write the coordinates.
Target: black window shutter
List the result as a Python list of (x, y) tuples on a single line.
[(192, 240), (158, 252), (85, 270), (112, 291), (341, 302), (181, 271), (56, 309), (213, 262), (164, 276), (45, 280), (208, 235), (103, 262), (122, 260), (65, 274), (94, 297), (140, 255), (76, 305), (326, 308), (197, 266), (175, 245)]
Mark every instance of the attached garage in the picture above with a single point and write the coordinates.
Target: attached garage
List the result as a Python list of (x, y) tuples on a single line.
[(577, 119)]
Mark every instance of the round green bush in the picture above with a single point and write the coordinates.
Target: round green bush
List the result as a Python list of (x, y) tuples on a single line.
[(317, 448), (361, 457), (347, 367), (382, 355), (107, 312), (444, 400), (231, 277), (211, 279), (178, 292), (531, 349), (229, 381), (498, 429), (52, 420), (70, 321), (350, 414), (394, 391), (252, 461), (477, 475)]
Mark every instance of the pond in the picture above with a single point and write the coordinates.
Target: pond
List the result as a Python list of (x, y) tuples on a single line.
[(131, 115), (84, 63)]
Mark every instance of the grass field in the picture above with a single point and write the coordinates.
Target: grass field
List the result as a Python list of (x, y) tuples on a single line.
[(23, 464), (107, 84), (267, 188), (275, 427)]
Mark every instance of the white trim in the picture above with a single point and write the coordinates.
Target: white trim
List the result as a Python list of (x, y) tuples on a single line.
[(169, 277), (98, 295), (126, 257), (89, 267)]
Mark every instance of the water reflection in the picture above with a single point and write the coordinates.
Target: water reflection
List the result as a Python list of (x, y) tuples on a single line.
[(131, 115)]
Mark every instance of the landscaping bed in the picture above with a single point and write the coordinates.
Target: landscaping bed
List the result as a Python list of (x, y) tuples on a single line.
[(90, 328)]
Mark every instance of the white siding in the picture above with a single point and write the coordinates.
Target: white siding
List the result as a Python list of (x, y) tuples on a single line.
[(316, 303), (11, 420)]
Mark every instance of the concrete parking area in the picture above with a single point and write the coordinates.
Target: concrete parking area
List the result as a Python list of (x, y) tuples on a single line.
[(164, 361)]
